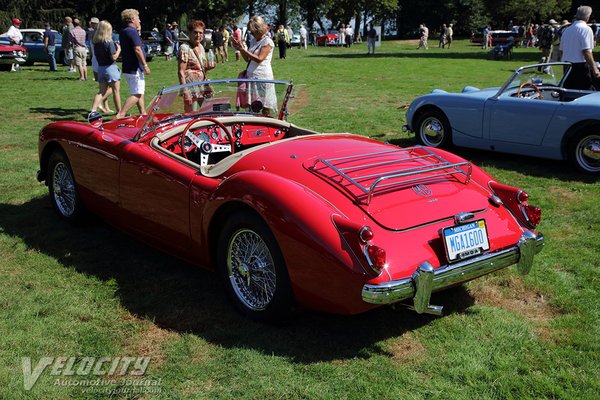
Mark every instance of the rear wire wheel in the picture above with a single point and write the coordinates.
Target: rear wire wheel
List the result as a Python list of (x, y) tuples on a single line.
[(253, 269)]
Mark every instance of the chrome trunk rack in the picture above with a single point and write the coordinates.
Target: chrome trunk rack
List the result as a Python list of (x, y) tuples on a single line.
[(364, 175)]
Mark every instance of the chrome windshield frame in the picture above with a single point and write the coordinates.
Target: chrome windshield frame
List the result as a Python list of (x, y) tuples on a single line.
[(148, 129)]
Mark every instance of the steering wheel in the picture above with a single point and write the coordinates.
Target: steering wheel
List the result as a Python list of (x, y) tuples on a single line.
[(206, 147), (538, 92)]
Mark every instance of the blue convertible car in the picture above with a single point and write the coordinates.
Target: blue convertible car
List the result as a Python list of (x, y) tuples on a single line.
[(531, 114)]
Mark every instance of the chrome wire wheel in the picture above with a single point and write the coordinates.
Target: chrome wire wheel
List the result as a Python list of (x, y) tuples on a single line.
[(587, 153), (251, 269), (432, 132), (63, 189)]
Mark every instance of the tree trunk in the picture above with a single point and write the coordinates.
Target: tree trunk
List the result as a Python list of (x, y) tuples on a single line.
[(283, 12)]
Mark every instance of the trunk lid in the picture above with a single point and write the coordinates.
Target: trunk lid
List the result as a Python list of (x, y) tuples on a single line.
[(398, 188)]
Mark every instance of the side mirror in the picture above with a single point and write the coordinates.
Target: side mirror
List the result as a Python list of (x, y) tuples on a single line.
[(95, 119)]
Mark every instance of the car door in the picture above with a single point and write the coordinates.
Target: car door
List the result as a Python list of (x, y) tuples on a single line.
[(154, 196), (522, 121)]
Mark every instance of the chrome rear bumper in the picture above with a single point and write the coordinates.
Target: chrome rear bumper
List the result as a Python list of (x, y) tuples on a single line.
[(426, 280)]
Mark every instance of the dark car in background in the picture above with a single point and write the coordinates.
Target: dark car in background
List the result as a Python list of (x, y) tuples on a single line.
[(152, 43), (498, 37), (151, 49), (33, 41)]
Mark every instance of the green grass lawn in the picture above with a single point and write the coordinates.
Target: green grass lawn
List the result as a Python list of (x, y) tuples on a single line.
[(91, 291)]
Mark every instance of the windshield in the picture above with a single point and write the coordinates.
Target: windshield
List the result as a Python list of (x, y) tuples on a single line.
[(267, 98), (549, 74)]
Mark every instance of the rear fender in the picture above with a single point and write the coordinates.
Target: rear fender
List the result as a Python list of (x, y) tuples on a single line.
[(322, 267)]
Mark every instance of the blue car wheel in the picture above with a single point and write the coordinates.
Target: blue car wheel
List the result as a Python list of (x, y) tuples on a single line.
[(584, 152), (433, 129)]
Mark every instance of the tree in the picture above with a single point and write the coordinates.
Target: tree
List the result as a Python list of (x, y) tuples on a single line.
[(526, 10)]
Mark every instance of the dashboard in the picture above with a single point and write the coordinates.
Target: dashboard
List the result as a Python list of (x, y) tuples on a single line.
[(200, 143)]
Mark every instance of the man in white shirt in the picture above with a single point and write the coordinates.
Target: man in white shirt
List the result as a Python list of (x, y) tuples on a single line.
[(15, 37), (576, 45), (349, 35), (303, 36)]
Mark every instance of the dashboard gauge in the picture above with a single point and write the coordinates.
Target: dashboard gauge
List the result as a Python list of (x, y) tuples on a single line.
[(187, 143), (215, 133), (204, 137), (237, 130)]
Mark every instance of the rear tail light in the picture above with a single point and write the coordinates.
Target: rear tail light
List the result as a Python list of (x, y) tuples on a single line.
[(522, 196), (516, 201), (365, 234), (360, 239), (376, 257), (533, 214)]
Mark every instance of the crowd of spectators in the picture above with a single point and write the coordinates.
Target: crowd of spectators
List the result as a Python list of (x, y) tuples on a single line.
[(568, 41)]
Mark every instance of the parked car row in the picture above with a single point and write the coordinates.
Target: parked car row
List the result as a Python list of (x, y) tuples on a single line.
[(34, 43), (498, 37)]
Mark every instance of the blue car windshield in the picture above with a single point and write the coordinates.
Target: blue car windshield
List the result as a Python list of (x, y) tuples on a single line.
[(550, 74)]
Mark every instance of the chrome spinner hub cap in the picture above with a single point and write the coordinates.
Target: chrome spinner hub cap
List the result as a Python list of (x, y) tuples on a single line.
[(432, 132), (588, 153)]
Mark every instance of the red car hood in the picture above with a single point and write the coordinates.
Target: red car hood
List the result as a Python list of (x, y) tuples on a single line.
[(342, 169)]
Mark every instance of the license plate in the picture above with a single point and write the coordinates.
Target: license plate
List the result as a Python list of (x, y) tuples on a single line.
[(464, 241)]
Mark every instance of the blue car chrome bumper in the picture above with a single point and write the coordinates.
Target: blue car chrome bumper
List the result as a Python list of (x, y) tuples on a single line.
[(427, 280)]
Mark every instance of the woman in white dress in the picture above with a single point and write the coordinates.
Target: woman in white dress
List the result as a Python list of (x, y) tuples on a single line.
[(261, 95)]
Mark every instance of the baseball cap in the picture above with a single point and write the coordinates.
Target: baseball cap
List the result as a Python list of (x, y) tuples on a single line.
[(552, 22), (16, 21), (46, 25), (94, 20)]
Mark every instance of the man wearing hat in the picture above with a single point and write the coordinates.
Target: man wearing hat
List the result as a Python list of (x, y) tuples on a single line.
[(167, 42), (66, 43), (50, 46), (545, 36), (576, 44), (89, 37), (175, 37), (15, 37)]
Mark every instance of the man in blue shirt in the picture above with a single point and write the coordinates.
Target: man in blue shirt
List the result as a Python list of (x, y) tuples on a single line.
[(134, 61), (50, 46), (167, 42)]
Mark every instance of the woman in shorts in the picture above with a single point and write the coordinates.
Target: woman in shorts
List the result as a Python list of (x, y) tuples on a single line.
[(109, 74)]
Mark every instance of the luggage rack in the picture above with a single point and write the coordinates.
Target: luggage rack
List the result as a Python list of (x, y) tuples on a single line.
[(390, 169)]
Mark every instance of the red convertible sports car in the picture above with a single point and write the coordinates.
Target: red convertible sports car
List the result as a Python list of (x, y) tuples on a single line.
[(328, 39), (288, 216)]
